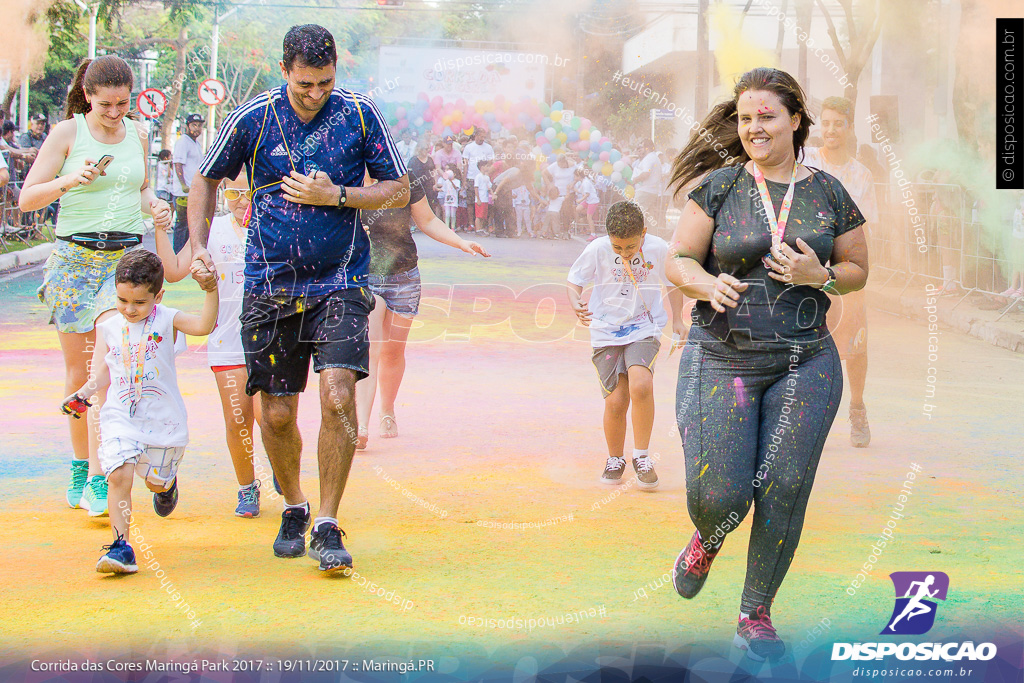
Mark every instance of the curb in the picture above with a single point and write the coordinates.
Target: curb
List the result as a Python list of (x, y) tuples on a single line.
[(1006, 334), (25, 257)]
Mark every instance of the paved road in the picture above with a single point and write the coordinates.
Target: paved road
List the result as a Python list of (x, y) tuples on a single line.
[(500, 423)]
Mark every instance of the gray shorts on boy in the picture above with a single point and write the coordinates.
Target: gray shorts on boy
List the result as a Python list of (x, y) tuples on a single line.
[(611, 361)]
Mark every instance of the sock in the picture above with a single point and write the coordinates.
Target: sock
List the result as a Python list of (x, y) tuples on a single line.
[(637, 452), (323, 520), (249, 486), (744, 615), (304, 506)]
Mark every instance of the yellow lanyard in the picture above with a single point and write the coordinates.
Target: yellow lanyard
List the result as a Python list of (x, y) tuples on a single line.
[(259, 141)]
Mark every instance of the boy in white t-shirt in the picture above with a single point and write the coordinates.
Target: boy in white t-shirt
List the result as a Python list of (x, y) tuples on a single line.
[(586, 194), (143, 425), (483, 183), (224, 353), (626, 317)]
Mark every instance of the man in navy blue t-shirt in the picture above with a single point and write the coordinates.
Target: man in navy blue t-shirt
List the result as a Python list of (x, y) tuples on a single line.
[(306, 147)]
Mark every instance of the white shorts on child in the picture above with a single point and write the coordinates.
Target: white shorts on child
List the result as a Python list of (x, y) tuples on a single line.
[(156, 464)]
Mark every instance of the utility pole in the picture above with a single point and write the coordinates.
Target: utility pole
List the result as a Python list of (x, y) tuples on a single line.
[(93, 11), (700, 98)]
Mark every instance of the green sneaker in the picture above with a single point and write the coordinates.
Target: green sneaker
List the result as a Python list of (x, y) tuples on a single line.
[(79, 477), (95, 497)]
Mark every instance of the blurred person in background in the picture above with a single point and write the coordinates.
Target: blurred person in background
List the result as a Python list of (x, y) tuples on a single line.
[(34, 137), (848, 315), (165, 176), (187, 157), (648, 183)]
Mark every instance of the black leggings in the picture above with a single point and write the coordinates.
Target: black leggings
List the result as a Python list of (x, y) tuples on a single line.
[(753, 424)]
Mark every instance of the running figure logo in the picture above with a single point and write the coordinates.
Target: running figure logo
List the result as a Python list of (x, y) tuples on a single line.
[(914, 612)]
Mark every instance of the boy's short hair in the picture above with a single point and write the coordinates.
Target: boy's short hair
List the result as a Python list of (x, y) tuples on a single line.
[(625, 219), (140, 267)]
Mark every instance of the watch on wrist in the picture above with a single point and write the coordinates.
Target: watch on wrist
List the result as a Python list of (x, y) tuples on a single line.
[(342, 196), (828, 286)]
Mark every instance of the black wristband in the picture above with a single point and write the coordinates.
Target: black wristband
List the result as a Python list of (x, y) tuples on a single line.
[(342, 196)]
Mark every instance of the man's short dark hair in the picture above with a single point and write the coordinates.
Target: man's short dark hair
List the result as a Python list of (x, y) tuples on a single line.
[(140, 267), (9, 126), (310, 44), (625, 219)]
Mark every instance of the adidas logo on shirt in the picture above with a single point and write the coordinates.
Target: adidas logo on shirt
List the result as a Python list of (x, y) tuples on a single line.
[(279, 151)]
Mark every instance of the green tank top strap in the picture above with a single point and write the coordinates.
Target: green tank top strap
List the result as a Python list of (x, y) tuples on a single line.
[(113, 202)]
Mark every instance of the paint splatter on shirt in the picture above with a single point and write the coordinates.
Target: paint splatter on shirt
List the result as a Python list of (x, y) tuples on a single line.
[(297, 249), (770, 314)]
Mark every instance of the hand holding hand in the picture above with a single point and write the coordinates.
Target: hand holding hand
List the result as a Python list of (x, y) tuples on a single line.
[(203, 270), (161, 211)]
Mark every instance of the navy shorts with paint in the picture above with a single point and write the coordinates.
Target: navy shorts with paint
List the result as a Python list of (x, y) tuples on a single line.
[(281, 333)]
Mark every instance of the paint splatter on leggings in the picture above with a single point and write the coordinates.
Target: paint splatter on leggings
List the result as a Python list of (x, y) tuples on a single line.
[(753, 424)]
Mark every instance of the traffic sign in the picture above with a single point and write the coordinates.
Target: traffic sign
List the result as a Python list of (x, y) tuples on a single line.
[(662, 114), (212, 92), (151, 103)]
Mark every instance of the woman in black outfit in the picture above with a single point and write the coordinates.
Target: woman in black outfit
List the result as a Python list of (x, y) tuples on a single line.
[(759, 379)]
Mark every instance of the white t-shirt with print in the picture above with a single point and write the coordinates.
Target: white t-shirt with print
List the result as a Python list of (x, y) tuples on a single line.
[(620, 314), (224, 345), (160, 418)]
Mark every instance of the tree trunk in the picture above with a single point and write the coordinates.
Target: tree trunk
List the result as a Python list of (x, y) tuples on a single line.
[(964, 84), (174, 101), (12, 92)]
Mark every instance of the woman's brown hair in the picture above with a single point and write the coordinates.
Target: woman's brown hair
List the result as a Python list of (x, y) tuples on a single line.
[(108, 71), (699, 157)]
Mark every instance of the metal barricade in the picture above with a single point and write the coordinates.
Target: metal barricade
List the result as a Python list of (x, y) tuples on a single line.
[(931, 232)]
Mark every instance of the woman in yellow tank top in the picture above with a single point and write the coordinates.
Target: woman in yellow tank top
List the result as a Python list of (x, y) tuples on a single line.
[(100, 219)]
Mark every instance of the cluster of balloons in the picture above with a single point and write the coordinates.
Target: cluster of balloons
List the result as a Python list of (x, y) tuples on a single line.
[(555, 130)]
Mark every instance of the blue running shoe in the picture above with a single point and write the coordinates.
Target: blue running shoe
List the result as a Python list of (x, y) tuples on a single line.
[(120, 558), (249, 500), (164, 502), (277, 486), (79, 478), (325, 545)]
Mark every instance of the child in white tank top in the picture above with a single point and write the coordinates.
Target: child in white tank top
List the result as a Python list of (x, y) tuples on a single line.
[(143, 428), (227, 246)]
